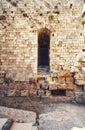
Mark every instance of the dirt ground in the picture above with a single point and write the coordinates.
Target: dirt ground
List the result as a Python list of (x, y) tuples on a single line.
[(26, 103), (31, 103), (50, 115), (62, 117)]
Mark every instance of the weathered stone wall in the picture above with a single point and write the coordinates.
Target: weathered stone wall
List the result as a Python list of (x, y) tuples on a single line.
[(20, 22)]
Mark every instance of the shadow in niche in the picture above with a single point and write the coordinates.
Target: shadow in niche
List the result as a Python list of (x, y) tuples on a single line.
[(43, 49), (58, 92)]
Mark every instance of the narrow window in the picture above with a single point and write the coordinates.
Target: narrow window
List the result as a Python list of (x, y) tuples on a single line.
[(43, 50)]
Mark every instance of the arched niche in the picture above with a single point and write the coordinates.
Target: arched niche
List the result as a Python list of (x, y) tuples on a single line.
[(43, 48)]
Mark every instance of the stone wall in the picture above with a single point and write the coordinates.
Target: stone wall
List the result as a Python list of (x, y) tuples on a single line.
[(20, 22)]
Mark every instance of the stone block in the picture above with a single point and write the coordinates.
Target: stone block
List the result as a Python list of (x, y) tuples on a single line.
[(1, 80), (70, 86), (18, 93), (11, 93), (61, 86), (19, 115), (65, 73), (80, 97), (58, 86), (69, 80), (69, 93), (61, 80), (24, 93), (80, 81)]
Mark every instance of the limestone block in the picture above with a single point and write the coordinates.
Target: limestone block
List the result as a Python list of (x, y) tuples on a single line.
[(11, 93), (18, 93), (69, 80), (61, 80), (77, 88), (80, 81), (65, 74), (83, 63), (69, 93), (2, 74), (80, 97), (1, 80), (53, 86), (70, 86), (19, 115), (61, 86), (24, 93), (58, 86), (48, 93), (80, 76)]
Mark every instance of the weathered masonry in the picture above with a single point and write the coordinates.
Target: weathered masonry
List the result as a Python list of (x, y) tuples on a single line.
[(43, 39)]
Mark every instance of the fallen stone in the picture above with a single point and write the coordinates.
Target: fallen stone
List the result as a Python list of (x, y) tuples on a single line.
[(19, 115)]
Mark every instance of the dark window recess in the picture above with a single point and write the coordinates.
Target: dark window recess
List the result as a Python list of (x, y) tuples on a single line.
[(43, 48), (58, 92)]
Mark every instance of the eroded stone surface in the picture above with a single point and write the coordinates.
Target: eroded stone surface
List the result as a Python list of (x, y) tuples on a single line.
[(20, 22), (18, 115), (62, 117)]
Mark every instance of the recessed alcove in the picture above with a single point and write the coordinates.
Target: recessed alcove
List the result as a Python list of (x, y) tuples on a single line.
[(43, 49), (58, 92)]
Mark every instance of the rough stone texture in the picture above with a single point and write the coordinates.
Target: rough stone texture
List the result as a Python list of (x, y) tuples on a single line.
[(79, 69), (62, 117), (18, 115), (20, 22), (80, 97), (2, 75), (63, 80)]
